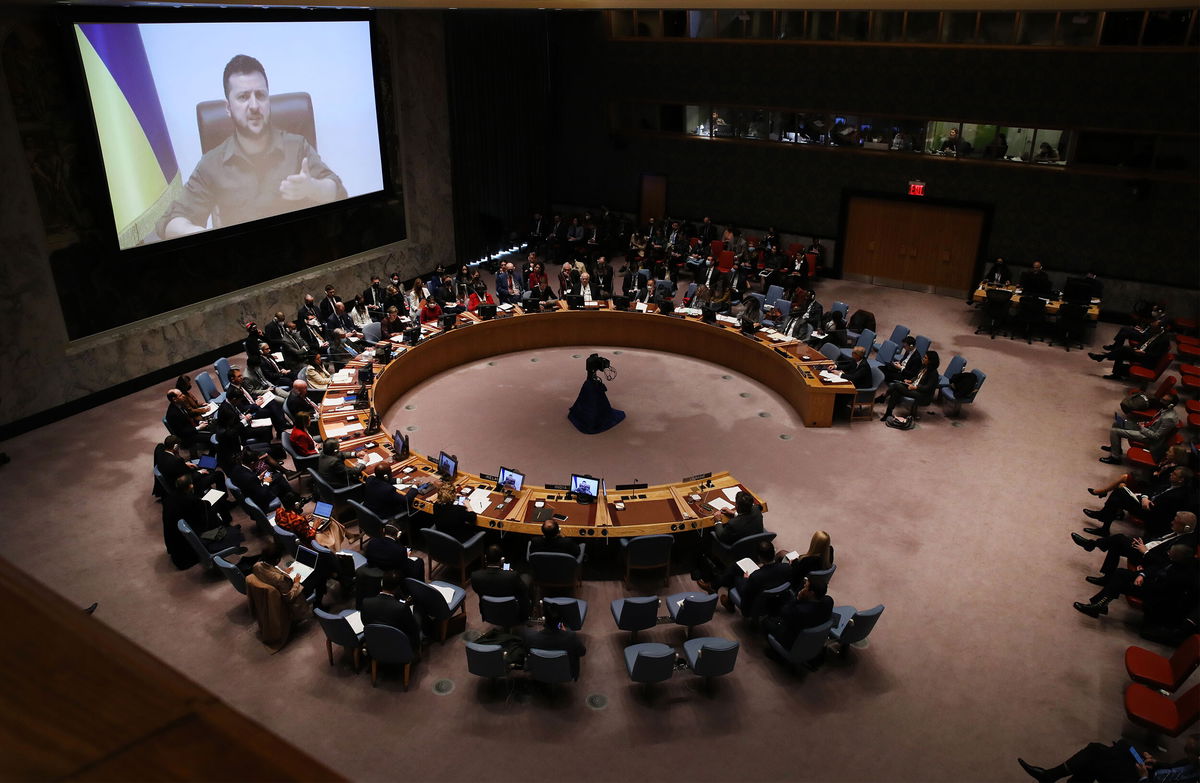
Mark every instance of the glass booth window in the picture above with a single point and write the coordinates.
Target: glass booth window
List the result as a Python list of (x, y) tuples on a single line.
[(921, 27), (696, 118), (1037, 28), (1121, 28), (700, 24), (1166, 28), (887, 26), (822, 25), (852, 25), (845, 131), (1050, 146), (1078, 28), (943, 137), (622, 24), (791, 25), (997, 27), (959, 27)]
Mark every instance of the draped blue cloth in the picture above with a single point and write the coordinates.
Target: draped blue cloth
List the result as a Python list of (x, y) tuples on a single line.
[(592, 413)]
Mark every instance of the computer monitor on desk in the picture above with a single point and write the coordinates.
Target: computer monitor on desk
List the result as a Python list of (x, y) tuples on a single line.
[(487, 311), (412, 335), (585, 488), (447, 320), (510, 480), (447, 466), (400, 444), (620, 302), (708, 315), (574, 301)]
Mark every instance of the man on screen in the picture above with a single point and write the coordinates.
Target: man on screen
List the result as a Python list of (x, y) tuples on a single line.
[(255, 173)]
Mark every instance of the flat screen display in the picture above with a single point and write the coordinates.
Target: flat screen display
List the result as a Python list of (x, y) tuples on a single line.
[(585, 485), (510, 479), (213, 124), (447, 465)]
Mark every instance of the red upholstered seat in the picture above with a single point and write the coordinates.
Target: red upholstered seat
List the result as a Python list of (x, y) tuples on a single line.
[(1185, 325), (1193, 406), (1147, 707), (1150, 374), (1162, 672), (1194, 419), (1164, 388), (1189, 369)]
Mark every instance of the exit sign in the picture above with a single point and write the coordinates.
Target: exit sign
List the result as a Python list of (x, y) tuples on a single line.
[(916, 187)]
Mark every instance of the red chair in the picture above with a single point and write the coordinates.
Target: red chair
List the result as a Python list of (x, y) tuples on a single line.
[(1183, 339), (1193, 406), (1147, 707), (717, 246), (1190, 350), (725, 261), (1164, 388), (1194, 420), (1159, 671), (1191, 383), (1189, 369), (1136, 455), (1185, 325), (1148, 375)]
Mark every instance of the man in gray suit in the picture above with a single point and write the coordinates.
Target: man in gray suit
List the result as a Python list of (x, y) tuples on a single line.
[(1152, 437)]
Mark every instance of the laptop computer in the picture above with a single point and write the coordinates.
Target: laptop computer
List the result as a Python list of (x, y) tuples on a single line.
[(305, 563), (321, 514), (207, 462)]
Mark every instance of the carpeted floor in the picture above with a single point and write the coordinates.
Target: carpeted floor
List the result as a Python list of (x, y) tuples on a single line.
[(959, 527)]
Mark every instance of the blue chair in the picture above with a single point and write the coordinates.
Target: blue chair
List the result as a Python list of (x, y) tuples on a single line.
[(161, 489), (431, 603), (372, 333), (554, 570), (823, 576), (504, 612), (369, 523), (263, 520), (650, 662), (955, 366), (808, 646), (341, 565), (688, 294), (785, 308), (571, 611), (635, 614), (232, 573), (285, 539), (222, 367), (865, 340), (885, 355), (852, 627), (899, 332), (548, 666), (762, 602), (579, 557), (831, 352), (224, 548), (332, 495), (955, 403), (448, 550), (208, 389), (338, 631), (691, 609), (389, 645), (773, 293), (842, 308), (486, 660), (710, 656), (746, 546), (863, 405), (644, 553), (301, 463), (922, 344)]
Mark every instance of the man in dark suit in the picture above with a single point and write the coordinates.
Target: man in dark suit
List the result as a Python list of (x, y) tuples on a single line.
[(325, 309), (340, 319), (1167, 590), (1144, 553), (381, 497), (387, 609), (856, 369), (492, 580), (331, 465), (1035, 281), (183, 503), (293, 347), (246, 404), (1147, 354), (551, 540), (1156, 508), (555, 637), (251, 485), (772, 571), (375, 295), (389, 553), (191, 435), (273, 331), (297, 400), (905, 366), (171, 465), (747, 521), (1097, 761), (809, 608)]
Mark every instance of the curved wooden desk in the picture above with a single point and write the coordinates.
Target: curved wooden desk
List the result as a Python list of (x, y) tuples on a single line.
[(665, 508)]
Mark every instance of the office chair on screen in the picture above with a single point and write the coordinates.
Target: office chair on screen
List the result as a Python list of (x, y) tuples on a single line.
[(290, 111)]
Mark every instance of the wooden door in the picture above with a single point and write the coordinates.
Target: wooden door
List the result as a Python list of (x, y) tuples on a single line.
[(654, 198), (927, 247)]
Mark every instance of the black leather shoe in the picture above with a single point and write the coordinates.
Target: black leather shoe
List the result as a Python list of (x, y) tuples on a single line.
[(883, 417), (1100, 494), (1087, 512), (1096, 531), (1083, 542), (1096, 357), (1111, 460), (1037, 773), (1096, 580), (1107, 448), (1109, 347), (1091, 610), (1112, 376)]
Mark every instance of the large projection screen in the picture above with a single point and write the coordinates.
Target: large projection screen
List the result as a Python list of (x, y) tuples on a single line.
[(185, 150)]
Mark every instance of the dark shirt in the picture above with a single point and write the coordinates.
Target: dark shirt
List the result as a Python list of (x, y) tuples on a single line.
[(556, 544), (798, 615), (388, 610), (454, 520), (241, 187), (382, 498), (558, 639), (766, 577), (740, 526), (498, 583)]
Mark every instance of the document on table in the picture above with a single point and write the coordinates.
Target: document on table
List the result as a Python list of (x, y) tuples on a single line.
[(727, 319), (641, 307), (343, 376), (331, 401), (372, 459), (355, 620), (720, 504), (256, 423), (479, 500), (731, 493)]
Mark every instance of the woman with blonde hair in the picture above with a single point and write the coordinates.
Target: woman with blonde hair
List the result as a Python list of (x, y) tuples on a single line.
[(819, 557)]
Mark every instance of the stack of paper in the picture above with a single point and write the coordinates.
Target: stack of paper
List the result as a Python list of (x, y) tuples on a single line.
[(641, 307), (372, 459), (343, 376), (720, 504), (830, 377), (731, 493), (727, 319), (747, 565)]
